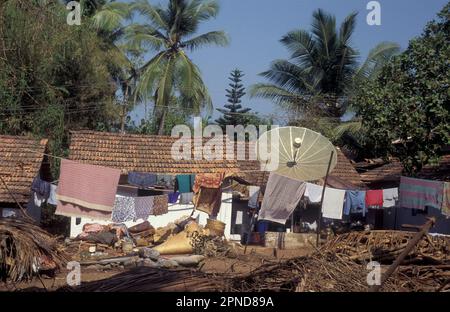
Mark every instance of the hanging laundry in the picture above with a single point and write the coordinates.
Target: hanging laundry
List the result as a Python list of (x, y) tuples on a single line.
[(33, 208), (333, 203), (355, 202), (143, 207), (313, 192), (186, 198), (208, 200), (160, 205), (281, 197), (374, 198), (209, 180), (446, 199), (185, 182), (253, 195), (124, 209), (419, 193), (88, 186), (41, 188), (173, 197), (141, 192), (143, 180), (165, 181), (52, 198), (390, 197), (72, 210)]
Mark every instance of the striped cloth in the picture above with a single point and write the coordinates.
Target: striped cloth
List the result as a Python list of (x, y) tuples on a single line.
[(87, 186), (419, 193), (71, 210)]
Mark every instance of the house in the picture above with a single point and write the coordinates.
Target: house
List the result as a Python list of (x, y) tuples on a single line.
[(21, 160), (146, 153), (343, 176), (387, 175)]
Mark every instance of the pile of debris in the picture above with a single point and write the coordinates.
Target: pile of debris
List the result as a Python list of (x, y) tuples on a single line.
[(27, 250), (385, 246), (151, 280), (341, 266), (183, 243)]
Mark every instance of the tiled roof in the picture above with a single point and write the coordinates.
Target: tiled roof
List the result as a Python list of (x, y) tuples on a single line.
[(151, 153), (20, 161), (389, 173), (392, 171), (143, 153)]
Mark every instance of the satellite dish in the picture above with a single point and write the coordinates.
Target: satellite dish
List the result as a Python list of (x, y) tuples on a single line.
[(302, 154)]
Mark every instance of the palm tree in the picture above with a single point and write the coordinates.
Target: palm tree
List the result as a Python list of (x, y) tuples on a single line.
[(109, 20), (323, 67), (170, 31)]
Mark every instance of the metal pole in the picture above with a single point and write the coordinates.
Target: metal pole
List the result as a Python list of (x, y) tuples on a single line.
[(413, 242), (319, 222)]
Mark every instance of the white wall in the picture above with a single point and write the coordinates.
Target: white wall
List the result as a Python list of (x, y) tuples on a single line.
[(176, 211)]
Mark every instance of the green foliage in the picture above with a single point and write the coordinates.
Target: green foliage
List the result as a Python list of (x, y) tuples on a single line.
[(322, 69), (170, 31), (233, 113), (54, 77), (409, 101)]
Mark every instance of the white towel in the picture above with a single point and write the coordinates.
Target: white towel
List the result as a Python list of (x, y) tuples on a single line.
[(313, 192), (333, 203), (390, 196), (281, 197), (253, 192), (52, 198)]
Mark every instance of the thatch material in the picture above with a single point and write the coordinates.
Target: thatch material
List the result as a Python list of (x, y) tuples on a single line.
[(146, 279), (26, 248)]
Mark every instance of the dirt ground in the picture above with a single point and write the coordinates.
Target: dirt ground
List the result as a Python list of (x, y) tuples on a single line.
[(239, 264)]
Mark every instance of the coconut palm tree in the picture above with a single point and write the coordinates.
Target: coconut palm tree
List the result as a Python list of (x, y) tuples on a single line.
[(323, 67), (170, 31), (109, 19)]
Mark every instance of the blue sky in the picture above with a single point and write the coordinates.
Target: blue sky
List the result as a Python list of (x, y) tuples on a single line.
[(255, 27)]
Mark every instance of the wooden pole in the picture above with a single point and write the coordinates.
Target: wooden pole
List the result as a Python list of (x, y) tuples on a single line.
[(413, 242), (319, 222)]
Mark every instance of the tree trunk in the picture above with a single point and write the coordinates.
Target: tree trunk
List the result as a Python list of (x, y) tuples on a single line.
[(162, 119)]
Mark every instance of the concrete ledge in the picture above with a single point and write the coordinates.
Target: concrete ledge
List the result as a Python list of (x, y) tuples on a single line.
[(283, 240)]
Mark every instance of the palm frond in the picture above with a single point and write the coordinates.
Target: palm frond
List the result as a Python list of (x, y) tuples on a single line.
[(376, 59), (144, 35), (213, 37), (152, 12), (302, 46), (111, 16)]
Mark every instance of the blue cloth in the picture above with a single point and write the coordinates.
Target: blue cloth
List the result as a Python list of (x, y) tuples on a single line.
[(355, 201), (41, 187), (173, 197), (185, 182), (142, 180)]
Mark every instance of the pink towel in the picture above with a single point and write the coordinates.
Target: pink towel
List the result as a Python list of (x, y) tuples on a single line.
[(87, 186), (70, 210)]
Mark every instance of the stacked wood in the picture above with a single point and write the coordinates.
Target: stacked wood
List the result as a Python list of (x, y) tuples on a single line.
[(385, 246), (26, 249)]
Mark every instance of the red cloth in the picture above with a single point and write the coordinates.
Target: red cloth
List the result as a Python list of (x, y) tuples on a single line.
[(374, 198), (88, 186), (208, 180)]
